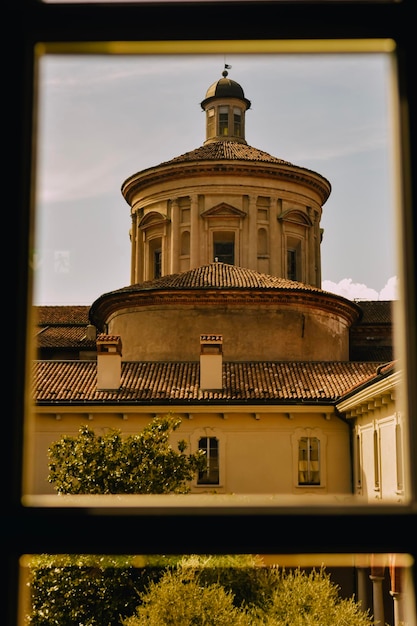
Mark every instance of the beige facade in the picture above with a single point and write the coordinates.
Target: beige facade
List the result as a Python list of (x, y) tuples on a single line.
[(187, 222), (258, 447), (379, 443)]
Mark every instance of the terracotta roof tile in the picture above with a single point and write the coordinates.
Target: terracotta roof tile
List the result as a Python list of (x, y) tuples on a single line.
[(384, 369), (59, 382), (230, 150), (62, 315), (376, 311), (64, 337), (219, 275)]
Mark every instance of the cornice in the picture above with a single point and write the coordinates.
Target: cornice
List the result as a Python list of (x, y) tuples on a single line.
[(194, 169), (117, 303), (369, 393)]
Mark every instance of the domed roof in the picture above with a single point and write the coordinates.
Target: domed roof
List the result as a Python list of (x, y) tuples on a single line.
[(225, 88), (219, 278), (226, 150), (217, 275)]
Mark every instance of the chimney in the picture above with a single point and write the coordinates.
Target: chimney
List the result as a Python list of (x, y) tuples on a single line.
[(109, 362), (211, 361)]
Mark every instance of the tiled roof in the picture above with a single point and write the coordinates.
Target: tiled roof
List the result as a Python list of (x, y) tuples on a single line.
[(218, 282), (219, 275), (64, 336), (376, 311), (229, 158), (382, 370), (62, 327), (64, 382), (230, 150), (62, 315)]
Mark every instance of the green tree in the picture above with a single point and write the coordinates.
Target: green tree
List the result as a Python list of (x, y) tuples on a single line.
[(298, 598), (181, 598), (143, 463), (92, 590), (185, 596)]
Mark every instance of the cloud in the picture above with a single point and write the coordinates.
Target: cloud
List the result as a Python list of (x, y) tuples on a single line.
[(358, 291), (390, 291)]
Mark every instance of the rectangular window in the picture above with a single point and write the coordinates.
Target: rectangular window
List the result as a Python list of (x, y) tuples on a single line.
[(224, 252), (376, 461), (292, 264), (358, 454), (157, 263), (237, 122), (309, 461), (223, 120), (399, 458), (210, 475), (210, 123), (224, 247)]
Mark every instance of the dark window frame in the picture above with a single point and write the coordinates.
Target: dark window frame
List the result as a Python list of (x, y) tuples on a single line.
[(79, 529), (224, 246), (211, 474), (309, 447)]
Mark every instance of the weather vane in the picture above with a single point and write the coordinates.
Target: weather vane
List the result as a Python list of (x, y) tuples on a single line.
[(226, 67)]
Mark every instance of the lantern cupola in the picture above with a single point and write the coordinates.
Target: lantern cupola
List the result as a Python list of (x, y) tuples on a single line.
[(225, 106)]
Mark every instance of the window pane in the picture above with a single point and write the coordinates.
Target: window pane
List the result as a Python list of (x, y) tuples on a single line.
[(55, 236)]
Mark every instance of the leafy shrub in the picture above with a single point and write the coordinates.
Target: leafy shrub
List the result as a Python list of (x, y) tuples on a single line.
[(181, 598), (113, 464)]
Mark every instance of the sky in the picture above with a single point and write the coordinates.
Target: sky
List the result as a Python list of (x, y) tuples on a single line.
[(102, 118)]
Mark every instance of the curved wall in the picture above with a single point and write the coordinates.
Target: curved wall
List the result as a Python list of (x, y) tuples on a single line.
[(268, 211), (280, 332)]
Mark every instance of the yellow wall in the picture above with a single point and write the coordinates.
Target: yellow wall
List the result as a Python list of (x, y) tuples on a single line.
[(258, 449)]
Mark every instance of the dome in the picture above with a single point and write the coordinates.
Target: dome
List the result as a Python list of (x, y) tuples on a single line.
[(265, 316), (225, 88)]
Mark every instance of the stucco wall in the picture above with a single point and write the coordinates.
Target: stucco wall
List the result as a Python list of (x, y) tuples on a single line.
[(277, 333), (277, 206), (380, 463), (258, 451)]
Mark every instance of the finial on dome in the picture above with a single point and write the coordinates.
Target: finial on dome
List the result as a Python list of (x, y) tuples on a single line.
[(225, 72)]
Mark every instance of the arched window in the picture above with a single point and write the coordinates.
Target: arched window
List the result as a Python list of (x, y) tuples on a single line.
[(185, 243), (262, 242)]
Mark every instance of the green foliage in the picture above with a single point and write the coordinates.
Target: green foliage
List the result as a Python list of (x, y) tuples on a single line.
[(144, 463), (242, 575), (298, 598), (182, 598), (96, 590), (238, 590), (294, 598)]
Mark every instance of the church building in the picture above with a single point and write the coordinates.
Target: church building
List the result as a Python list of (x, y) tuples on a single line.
[(292, 391)]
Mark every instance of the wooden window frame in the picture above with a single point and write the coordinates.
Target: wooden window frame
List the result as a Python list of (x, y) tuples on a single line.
[(79, 529), (212, 459)]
